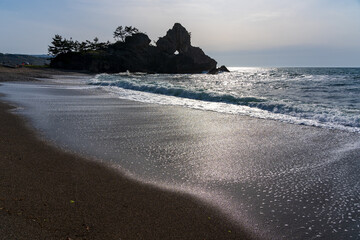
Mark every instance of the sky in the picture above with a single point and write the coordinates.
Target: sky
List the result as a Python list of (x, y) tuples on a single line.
[(267, 33)]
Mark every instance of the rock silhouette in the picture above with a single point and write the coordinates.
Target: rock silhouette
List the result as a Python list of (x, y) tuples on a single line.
[(173, 53)]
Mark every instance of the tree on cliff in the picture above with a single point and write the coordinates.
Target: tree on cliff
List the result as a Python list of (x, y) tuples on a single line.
[(121, 33), (96, 45), (59, 45), (63, 45)]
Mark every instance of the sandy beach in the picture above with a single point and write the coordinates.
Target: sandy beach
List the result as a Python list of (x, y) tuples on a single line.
[(31, 73), (160, 171), (48, 194)]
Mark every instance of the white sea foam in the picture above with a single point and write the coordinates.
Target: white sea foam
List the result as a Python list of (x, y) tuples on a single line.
[(311, 97)]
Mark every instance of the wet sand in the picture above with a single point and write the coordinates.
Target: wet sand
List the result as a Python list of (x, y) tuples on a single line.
[(282, 181), (32, 73), (46, 193)]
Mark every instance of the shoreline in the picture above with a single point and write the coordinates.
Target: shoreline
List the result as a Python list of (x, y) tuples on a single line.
[(47, 193), (55, 195), (276, 180), (31, 74)]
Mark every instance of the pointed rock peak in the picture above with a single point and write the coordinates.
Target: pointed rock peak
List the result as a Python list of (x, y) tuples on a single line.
[(178, 27), (176, 39)]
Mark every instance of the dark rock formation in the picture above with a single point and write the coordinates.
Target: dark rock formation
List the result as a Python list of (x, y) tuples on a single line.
[(219, 70), (136, 55), (138, 41), (176, 38)]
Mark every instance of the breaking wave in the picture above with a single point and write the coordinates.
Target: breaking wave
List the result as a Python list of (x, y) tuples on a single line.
[(310, 96)]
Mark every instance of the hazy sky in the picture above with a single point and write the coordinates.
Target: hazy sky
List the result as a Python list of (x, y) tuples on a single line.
[(234, 32)]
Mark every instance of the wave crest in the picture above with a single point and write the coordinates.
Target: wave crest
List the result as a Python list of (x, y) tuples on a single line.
[(181, 92), (301, 98)]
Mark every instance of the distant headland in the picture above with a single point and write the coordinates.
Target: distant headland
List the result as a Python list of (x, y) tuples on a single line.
[(133, 52)]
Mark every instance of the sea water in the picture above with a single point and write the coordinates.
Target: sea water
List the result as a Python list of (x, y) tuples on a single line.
[(323, 97)]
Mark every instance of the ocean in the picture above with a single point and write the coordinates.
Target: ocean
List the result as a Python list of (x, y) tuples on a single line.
[(323, 97)]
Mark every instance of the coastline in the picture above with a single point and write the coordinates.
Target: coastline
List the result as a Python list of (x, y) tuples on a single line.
[(274, 179), (32, 74), (47, 193)]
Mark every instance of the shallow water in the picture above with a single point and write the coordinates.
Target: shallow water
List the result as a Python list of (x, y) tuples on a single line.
[(324, 97), (280, 180)]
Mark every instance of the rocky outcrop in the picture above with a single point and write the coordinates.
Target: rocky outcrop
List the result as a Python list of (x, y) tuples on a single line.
[(219, 70), (188, 59), (177, 38), (138, 41), (173, 53)]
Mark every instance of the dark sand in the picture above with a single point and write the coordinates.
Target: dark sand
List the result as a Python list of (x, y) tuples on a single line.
[(30, 74), (48, 194)]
